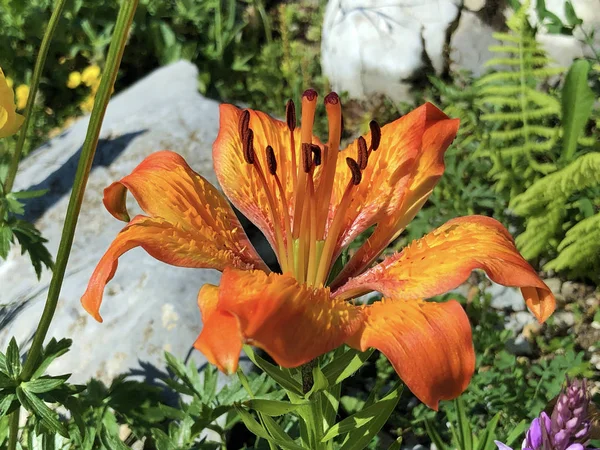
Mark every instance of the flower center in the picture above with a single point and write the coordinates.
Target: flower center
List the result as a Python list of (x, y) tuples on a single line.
[(307, 239)]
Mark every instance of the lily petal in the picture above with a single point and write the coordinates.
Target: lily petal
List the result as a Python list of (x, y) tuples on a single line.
[(240, 181), (429, 345), (192, 225), (398, 179), (166, 187), (292, 322), (444, 258), (220, 340)]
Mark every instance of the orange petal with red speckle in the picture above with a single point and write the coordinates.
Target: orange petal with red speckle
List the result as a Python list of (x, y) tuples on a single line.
[(444, 258), (428, 344)]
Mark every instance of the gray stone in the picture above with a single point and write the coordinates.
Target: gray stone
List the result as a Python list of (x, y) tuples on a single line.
[(517, 321), (371, 47), (149, 307), (469, 45), (554, 284), (569, 290), (564, 319), (504, 297), (519, 346)]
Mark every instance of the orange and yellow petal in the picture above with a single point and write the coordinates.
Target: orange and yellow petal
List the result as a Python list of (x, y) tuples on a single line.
[(166, 188), (428, 344), (164, 241), (444, 258), (293, 323), (240, 181), (10, 121), (397, 180), (220, 340)]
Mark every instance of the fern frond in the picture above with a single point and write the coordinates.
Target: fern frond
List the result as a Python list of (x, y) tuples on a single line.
[(581, 246), (543, 72), (541, 229), (508, 61), (539, 130), (517, 116), (581, 174), (533, 49)]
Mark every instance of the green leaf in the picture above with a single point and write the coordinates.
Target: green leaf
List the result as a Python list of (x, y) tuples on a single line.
[(272, 408), (577, 101), (6, 235), (363, 425), (6, 403), (53, 350), (112, 442), (257, 429), (282, 376), (517, 432), (434, 436), (36, 406), (320, 383), (28, 194), (44, 384), (465, 433), (13, 359), (570, 14), (486, 440), (32, 242), (346, 365), (397, 444)]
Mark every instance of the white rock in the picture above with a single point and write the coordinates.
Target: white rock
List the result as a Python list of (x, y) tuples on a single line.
[(564, 319), (554, 284), (474, 5), (517, 321), (504, 297), (470, 42), (149, 307), (373, 47)]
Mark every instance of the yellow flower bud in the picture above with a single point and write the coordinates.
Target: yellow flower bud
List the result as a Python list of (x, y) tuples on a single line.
[(10, 121), (90, 74), (22, 93), (74, 80)]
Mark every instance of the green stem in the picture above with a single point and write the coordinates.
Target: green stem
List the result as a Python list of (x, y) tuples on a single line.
[(113, 61), (35, 83), (13, 430)]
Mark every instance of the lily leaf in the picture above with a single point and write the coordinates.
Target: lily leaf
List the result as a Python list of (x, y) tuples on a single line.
[(272, 408)]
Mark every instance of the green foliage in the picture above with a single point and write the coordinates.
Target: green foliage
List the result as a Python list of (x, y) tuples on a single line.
[(520, 118)]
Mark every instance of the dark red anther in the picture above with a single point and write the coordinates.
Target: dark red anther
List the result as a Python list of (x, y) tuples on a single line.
[(248, 146), (244, 124), (332, 98), (271, 161), (316, 153), (363, 154), (310, 94), (307, 157), (356, 174), (375, 134), (290, 115)]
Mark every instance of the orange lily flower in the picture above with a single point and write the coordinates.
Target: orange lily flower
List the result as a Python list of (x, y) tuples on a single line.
[(311, 200)]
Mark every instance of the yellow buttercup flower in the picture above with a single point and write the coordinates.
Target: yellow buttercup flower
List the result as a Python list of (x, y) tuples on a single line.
[(10, 82), (90, 75), (22, 94), (10, 121), (74, 80)]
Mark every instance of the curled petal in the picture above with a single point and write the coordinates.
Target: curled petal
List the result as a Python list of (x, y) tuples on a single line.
[(240, 181), (429, 345), (292, 322), (220, 340), (164, 241), (10, 121), (166, 187), (444, 258), (398, 179)]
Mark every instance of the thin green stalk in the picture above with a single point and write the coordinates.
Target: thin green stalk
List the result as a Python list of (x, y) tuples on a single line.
[(35, 83), (113, 61), (13, 431)]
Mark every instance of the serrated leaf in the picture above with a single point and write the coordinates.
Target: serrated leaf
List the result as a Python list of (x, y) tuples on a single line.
[(44, 384), (53, 350), (577, 100), (346, 365), (364, 424), (36, 406), (32, 242), (13, 359), (272, 408)]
